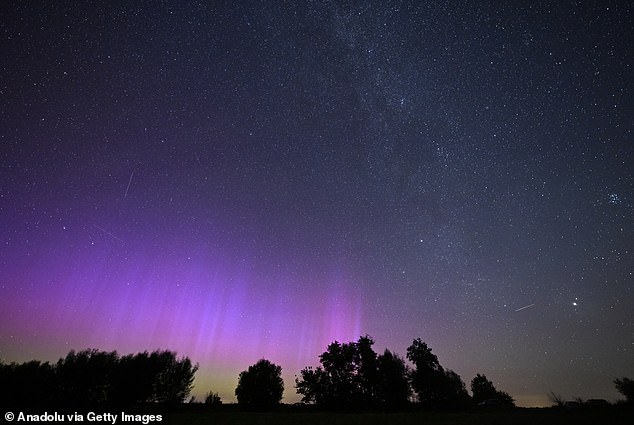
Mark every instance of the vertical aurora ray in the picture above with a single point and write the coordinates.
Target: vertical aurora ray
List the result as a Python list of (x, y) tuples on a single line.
[(214, 314)]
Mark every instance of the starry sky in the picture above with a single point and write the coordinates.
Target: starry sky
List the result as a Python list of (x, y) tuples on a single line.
[(238, 180)]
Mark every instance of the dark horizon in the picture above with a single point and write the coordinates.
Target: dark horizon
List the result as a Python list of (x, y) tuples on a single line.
[(257, 180), (350, 376)]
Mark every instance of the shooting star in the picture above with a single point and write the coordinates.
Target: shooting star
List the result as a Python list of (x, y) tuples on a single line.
[(128, 188), (525, 307), (108, 233)]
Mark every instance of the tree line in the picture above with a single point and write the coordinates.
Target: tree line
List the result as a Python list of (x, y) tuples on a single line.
[(353, 375), (350, 376), (93, 377)]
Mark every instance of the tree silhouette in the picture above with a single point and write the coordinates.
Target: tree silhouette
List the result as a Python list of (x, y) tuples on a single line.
[(427, 374), (422, 357), (93, 377), (454, 390), (213, 399), (433, 385), (394, 389), (261, 386), (483, 390), (174, 378), (348, 376), (351, 375), (340, 370), (368, 373), (27, 383), (133, 380), (626, 387), (314, 386), (555, 398), (84, 377), (151, 377)]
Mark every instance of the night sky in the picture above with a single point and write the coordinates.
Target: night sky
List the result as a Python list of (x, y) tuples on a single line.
[(238, 180)]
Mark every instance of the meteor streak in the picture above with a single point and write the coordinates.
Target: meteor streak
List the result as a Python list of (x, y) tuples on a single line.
[(525, 307), (128, 188)]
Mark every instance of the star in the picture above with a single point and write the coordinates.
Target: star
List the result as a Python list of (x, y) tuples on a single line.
[(271, 179)]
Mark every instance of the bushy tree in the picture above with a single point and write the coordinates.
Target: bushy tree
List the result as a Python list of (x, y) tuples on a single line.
[(174, 378), (133, 380), (506, 399), (454, 390), (261, 386), (626, 387), (421, 356), (158, 377), (483, 389), (427, 374), (93, 377), (393, 387), (85, 377), (352, 375), (348, 376), (368, 372), (213, 399), (433, 385)]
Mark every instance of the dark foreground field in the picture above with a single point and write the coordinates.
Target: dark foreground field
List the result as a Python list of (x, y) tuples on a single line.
[(508, 417)]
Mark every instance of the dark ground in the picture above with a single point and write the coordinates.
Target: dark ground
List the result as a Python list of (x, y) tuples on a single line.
[(611, 416)]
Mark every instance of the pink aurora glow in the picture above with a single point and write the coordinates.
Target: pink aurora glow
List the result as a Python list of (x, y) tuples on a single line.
[(220, 318)]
